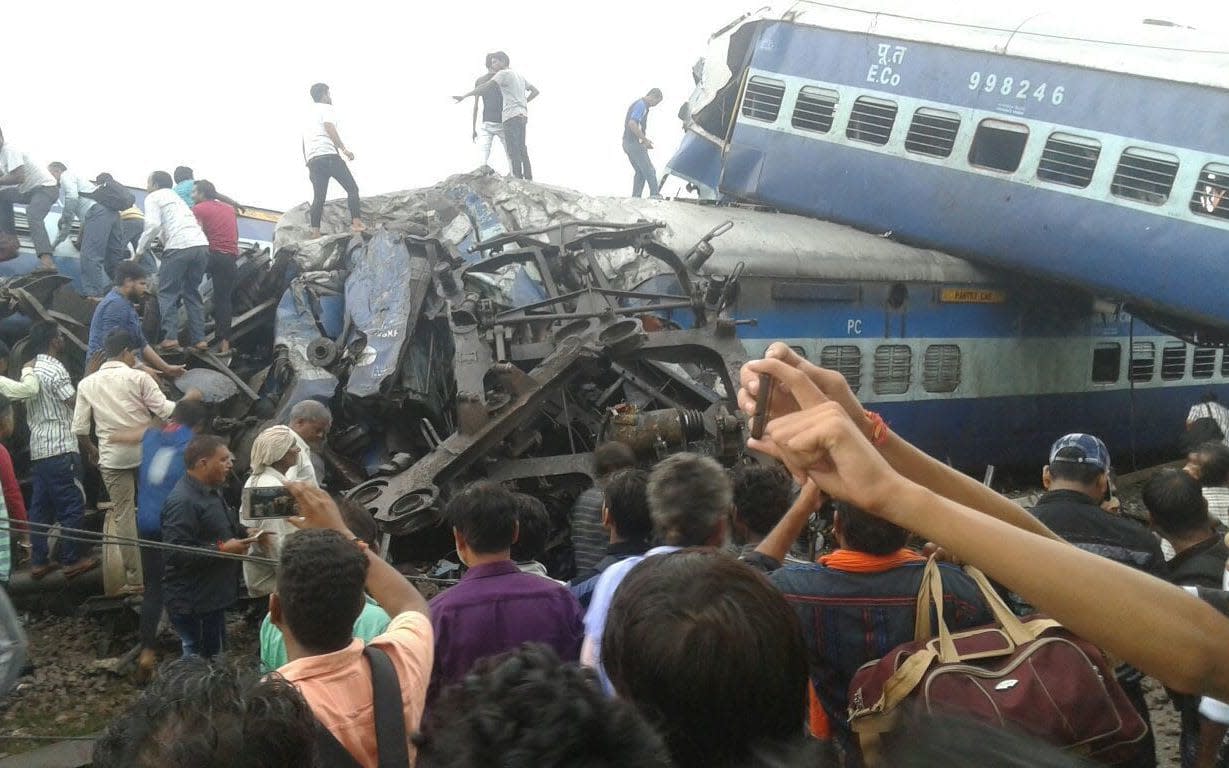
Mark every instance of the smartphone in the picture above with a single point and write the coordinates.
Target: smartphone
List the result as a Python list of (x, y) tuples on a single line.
[(762, 401), (270, 502)]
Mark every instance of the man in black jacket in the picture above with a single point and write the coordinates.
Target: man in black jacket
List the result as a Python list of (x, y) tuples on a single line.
[(197, 588), (1076, 482)]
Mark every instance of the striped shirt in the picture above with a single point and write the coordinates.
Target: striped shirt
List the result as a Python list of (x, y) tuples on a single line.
[(50, 418)]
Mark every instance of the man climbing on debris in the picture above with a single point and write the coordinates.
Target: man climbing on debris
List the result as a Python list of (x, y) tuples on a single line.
[(55, 464), (185, 255), (117, 398), (321, 147), (515, 92), (492, 116), (97, 222), (636, 143), (115, 312), (24, 180), (310, 420), (221, 227)]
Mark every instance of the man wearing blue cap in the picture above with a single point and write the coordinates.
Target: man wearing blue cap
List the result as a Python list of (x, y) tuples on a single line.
[(1076, 482)]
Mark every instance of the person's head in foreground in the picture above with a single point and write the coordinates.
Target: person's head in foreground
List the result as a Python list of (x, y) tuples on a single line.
[(690, 500), (319, 594), (1078, 462), (197, 714), (526, 708), (712, 655)]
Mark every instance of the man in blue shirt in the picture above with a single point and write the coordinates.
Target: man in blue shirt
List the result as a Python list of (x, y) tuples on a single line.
[(116, 313), (637, 145)]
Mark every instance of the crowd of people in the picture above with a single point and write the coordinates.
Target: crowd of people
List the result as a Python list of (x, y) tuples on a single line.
[(693, 628)]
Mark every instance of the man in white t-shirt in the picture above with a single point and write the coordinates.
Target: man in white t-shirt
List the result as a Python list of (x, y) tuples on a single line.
[(185, 254), (516, 93), (1209, 408), (24, 180), (321, 147)]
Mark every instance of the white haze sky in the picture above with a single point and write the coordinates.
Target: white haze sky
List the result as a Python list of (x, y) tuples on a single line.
[(222, 86)]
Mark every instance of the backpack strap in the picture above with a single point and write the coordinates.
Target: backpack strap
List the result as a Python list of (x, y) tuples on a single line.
[(389, 710)]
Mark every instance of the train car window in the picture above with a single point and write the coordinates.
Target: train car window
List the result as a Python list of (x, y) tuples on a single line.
[(1204, 364), (846, 359), (893, 369), (941, 368), (932, 132), (1106, 363), (1069, 160), (1224, 365), (762, 99), (1211, 195), (814, 108), (998, 145), (1173, 360), (1143, 360), (1145, 175), (871, 120)]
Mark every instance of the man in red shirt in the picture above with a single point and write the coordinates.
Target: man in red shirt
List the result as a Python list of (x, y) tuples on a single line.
[(221, 227)]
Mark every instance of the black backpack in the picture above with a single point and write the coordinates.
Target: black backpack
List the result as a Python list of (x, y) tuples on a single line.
[(1202, 430), (389, 721), (113, 196)]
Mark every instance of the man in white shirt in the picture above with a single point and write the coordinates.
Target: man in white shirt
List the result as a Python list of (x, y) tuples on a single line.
[(97, 223), (118, 399), (185, 255), (321, 145), (310, 420), (22, 180), (516, 93)]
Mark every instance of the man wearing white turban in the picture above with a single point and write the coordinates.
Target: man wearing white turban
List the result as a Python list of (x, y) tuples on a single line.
[(275, 452)]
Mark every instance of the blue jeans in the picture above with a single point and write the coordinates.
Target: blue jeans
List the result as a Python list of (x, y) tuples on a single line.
[(643, 166), (201, 634), (57, 495), (96, 232), (179, 279)]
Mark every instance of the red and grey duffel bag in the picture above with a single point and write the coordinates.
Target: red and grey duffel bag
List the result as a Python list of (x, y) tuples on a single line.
[(1032, 676)]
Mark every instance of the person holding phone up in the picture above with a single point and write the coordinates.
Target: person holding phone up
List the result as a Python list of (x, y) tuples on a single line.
[(274, 453)]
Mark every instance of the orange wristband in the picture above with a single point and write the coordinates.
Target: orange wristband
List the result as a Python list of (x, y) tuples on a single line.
[(879, 429)]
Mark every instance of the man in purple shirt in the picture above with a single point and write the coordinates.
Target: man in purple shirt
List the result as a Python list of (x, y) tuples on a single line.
[(495, 608)]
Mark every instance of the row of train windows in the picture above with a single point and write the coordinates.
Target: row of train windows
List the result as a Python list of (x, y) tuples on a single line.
[(892, 368), (1107, 362), (1142, 174)]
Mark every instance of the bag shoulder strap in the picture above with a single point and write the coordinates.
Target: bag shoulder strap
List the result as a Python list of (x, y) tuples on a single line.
[(331, 753), (389, 710)]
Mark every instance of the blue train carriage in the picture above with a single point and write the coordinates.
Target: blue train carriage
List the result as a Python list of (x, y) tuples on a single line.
[(974, 365), (1102, 164)]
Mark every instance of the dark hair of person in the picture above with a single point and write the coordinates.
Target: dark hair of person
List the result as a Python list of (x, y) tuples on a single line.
[(485, 514), (654, 92), (41, 335), (196, 714), (869, 534), (161, 180), (611, 457), (711, 654), (207, 189), (1175, 502), (526, 708), (941, 741), (1209, 397), (1213, 463), (129, 270), (182, 173), (627, 503), (320, 578), (359, 521), (762, 494), (502, 57), (57, 166), (1073, 471), (190, 413), (318, 91), (533, 525), (117, 343), (201, 447)]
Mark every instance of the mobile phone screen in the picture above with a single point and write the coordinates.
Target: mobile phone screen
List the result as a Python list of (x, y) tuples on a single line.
[(270, 502)]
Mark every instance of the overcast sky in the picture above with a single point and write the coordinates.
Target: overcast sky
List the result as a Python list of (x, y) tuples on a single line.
[(222, 86)]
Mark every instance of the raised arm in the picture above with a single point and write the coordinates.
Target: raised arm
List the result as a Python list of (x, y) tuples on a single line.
[(802, 384), (478, 89), (1147, 622), (783, 535)]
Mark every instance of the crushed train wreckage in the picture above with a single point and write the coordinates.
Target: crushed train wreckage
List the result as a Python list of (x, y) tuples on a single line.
[(483, 327)]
